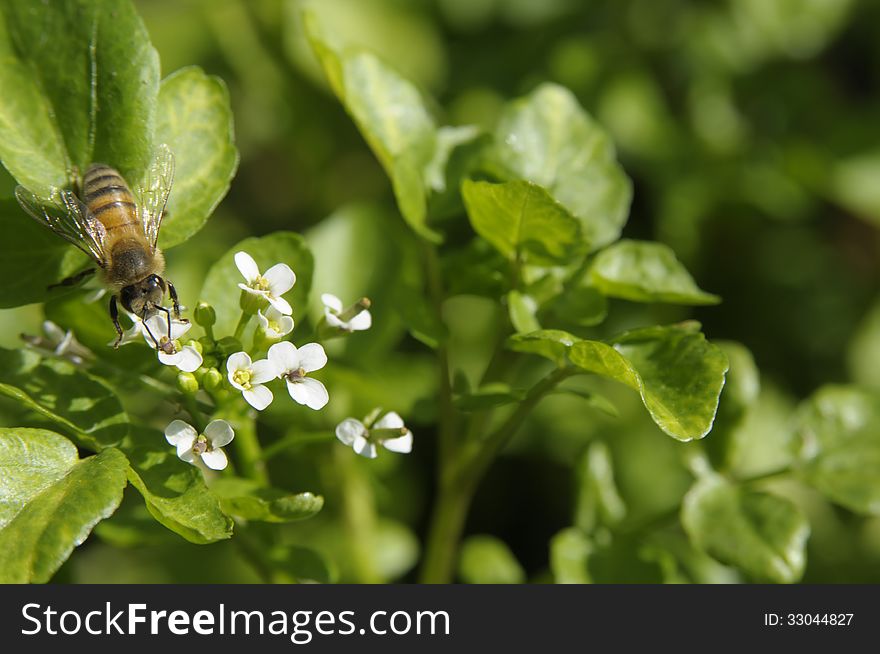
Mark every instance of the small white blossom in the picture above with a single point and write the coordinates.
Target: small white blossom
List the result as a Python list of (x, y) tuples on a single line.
[(272, 285), (333, 313), (60, 343), (362, 440), (248, 377), (293, 365), (274, 323), (192, 446), (171, 353)]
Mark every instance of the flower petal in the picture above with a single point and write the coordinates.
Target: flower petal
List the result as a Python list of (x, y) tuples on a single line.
[(365, 448), (170, 359), (252, 291), (219, 433), (178, 430), (247, 266), (189, 359), (263, 370), (390, 420), (285, 356), (361, 321), (402, 444), (309, 392), (155, 325), (280, 278), (264, 321), (188, 455), (285, 325), (312, 357), (178, 328), (331, 302), (334, 321), (238, 361), (215, 459), (280, 304), (349, 430), (258, 397)]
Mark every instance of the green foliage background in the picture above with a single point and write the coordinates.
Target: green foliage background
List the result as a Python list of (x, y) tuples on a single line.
[(749, 131)]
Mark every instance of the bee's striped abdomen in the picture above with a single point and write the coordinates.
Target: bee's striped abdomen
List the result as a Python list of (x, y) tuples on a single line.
[(108, 198)]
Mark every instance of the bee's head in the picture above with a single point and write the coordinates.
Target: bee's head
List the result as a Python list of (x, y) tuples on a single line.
[(141, 297)]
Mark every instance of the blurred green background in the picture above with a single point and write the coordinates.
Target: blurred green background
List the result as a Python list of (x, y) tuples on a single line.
[(750, 131)]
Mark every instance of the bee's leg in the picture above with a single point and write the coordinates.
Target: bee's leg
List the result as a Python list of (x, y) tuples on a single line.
[(147, 329), (73, 280), (114, 316), (172, 292), (168, 316)]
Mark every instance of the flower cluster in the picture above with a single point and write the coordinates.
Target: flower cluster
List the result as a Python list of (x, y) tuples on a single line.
[(388, 431)]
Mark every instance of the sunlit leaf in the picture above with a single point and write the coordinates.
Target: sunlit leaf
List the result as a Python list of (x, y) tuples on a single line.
[(487, 560), (60, 516), (488, 397), (551, 344), (598, 500), (247, 499), (522, 309)]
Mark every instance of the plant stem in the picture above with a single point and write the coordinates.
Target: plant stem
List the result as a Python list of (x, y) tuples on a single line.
[(359, 516), (242, 323), (189, 401), (460, 479), (247, 445)]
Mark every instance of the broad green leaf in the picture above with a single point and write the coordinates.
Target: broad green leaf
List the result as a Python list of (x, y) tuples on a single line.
[(583, 306), (195, 121), (221, 284), (762, 534), (741, 388), (80, 81), (548, 139), (488, 397), (43, 534), (598, 501), (247, 499), (629, 560), (678, 374), (84, 406), (418, 315), (522, 221), (174, 491), (569, 551), (598, 402), (642, 271), (291, 563), (391, 116), (522, 309), (487, 560), (31, 460), (838, 432), (33, 256), (551, 344)]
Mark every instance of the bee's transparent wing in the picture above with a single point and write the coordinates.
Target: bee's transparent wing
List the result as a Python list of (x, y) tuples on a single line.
[(68, 217), (154, 192)]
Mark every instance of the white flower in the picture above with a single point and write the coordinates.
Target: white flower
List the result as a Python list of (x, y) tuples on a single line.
[(355, 434), (186, 358), (192, 445), (248, 377), (276, 282), (294, 364), (274, 323), (61, 343), (338, 317)]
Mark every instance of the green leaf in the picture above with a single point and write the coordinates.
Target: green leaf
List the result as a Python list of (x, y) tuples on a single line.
[(582, 306), (645, 272), (838, 432), (762, 534), (487, 560), (83, 405), (174, 491), (291, 563), (598, 501), (569, 551), (418, 315), (522, 221), (392, 117), (41, 536), (548, 139), (551, 344), (246, 499), (522, 309), (221, 284), (33, 256), (195, 121), (80, 82), (598, 402), (31, 461), (488, 397), (678, 374)]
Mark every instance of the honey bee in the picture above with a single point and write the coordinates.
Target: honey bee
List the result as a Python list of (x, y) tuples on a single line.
[(103, 220)]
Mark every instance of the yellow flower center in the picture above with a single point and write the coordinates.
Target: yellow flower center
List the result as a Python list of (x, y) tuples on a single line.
[(260, 283), (200, 446), (242, 378)]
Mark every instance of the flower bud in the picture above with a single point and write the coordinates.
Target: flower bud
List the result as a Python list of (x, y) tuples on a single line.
[(228, 345), (196, 345), (205, 315), (212, 379), (186, 382)]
